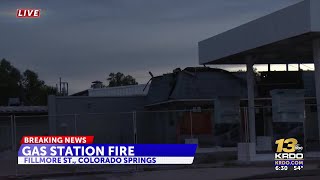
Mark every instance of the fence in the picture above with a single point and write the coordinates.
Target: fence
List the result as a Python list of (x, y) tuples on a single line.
[(168, 126), (7, 131), (204, 126), (156, 127)]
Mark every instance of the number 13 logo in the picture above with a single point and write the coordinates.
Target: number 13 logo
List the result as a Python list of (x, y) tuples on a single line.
[(290, 142)]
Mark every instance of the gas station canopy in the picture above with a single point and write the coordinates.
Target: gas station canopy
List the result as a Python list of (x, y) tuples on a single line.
[(290, 35), (282, 37)]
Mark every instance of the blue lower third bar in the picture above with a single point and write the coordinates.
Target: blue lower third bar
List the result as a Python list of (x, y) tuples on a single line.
[(288, 162)]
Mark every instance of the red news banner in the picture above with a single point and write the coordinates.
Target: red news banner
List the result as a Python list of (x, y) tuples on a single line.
[(57, 140), (28, 13)]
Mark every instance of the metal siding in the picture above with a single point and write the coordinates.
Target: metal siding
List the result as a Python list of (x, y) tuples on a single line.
[(122, 91), (207, 85), (82, 105), (112, 124), (160, 89)]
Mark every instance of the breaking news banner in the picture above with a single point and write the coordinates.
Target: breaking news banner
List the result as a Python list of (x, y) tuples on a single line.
[(80, 150)]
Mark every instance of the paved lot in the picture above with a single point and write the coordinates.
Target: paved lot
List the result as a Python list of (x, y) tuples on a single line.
[(199, 171), (310, 172), (196, 174), (185, 174), (305, 177)]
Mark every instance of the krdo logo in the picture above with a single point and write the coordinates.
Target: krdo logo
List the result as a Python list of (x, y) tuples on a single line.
[(291, 145), (298, 148)]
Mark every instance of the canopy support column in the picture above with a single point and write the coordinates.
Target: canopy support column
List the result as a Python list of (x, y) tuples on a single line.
[(316, 58), (251, 108)]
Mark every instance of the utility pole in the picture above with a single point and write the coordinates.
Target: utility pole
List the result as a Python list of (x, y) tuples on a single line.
[(63, 88), (60, 85)]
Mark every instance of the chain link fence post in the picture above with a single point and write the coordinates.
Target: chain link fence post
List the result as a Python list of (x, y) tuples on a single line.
[(12, 133), (75, 125), (15, 140), (15, 132), (134, 121), (191, 124)]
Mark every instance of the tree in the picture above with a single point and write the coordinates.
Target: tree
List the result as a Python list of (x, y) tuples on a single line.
[(27, 86), (97, 84), (255, 71), (36, 91), (119, 79), (10, 83)]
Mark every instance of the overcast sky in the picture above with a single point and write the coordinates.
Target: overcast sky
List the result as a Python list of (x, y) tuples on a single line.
[(84, 40)]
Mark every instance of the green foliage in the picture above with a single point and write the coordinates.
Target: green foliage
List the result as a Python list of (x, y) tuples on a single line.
[(9, 81), (97, 84), (27, 86), (119, 79)]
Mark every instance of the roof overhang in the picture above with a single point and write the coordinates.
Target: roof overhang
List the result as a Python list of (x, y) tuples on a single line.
[(284, 36), (23, 109), (179, 101)]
